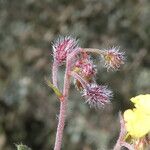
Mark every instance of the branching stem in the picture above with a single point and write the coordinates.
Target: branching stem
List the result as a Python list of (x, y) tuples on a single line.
[(90, 50), (96, 51)]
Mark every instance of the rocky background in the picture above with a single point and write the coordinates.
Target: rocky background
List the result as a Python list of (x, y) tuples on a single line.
[(28, 108)]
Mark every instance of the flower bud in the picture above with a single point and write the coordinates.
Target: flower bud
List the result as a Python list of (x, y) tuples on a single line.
[(113, 58), (97, 96), (62, 47), (86, 69), (85, 66)]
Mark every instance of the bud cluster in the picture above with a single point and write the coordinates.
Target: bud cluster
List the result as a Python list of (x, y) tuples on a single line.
[(83, 69), (85, 66)]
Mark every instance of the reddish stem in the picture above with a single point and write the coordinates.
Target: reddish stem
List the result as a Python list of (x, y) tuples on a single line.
[(80, 79), (63, 109), (94, 50), (121, 140)]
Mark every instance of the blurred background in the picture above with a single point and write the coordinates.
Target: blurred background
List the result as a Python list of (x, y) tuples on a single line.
[(28, 108)]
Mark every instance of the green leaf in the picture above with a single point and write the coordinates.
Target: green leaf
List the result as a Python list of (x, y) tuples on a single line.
[(55, 89)]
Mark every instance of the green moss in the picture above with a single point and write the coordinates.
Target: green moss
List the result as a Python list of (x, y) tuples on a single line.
[(23, 147)]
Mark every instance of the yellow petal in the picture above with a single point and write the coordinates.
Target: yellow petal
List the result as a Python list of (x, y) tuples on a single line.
[(142, 102)]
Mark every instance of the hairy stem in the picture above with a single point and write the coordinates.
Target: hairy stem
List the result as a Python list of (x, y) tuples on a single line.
[(63, 109), (123, 133), (54, 73), (90, 50), (80, 79)]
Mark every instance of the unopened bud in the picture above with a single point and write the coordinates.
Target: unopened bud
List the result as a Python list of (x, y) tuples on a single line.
[(62, 47), (113, 59), (96, 95)]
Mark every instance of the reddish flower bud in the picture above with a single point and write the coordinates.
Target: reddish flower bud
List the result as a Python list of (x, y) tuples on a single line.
[(86, 69), (97, 96), (113, 58), (62, 47), (85, 66)]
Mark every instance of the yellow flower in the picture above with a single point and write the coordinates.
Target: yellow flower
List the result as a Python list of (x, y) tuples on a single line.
[(142, 102), (137, 121)]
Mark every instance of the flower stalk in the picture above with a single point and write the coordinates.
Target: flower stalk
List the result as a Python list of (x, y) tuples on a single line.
[(80, 79)]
